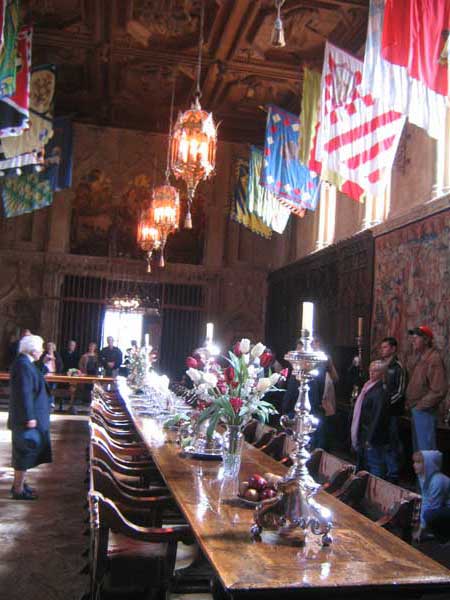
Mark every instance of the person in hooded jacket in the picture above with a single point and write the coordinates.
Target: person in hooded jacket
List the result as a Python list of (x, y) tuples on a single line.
[(435, 487)]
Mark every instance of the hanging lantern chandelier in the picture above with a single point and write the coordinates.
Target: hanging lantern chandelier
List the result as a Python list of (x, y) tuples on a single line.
[(194, 140), (148, 237), (166, 214), (165, 207)]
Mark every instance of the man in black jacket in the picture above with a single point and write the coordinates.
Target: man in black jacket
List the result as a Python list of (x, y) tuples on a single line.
[(395, 387), (111, 358), (70, 356)]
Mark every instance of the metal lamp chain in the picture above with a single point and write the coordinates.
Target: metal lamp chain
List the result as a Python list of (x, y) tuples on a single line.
[(170, 132), (198, 92)]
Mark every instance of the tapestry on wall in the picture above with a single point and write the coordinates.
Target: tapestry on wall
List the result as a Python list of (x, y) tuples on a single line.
[(104, 220), (412, 284)]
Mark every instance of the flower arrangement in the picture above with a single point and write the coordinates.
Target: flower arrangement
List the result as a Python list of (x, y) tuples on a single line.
[(139, 362), (233, 394), (74, 373)]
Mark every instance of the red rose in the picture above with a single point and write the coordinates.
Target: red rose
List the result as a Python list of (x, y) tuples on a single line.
[(234, 384), (222, 387), (229, 374), (237, 349), (284, 373), (191, 362), (266, 359), (236, 403)]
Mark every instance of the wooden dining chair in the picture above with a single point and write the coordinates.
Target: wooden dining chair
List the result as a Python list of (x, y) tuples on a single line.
[(128, 559), (123, 482), (131, 452), (390, 506), (120, 434), (329, 470)]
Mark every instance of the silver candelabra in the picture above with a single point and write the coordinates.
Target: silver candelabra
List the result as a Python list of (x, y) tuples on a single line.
[(295, 510)]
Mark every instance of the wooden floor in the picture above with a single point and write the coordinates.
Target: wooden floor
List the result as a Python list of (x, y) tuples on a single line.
[(41, 542)]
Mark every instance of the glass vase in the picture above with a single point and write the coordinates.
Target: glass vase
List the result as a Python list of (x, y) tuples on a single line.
[(206, 444), (233, 443)]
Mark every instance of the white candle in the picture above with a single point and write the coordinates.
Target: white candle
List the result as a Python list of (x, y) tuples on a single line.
[(308, 316), (147, 339), (209, 331), (360, 326)]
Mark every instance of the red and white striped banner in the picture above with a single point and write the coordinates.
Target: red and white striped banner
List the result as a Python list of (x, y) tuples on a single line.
[(358, 135)]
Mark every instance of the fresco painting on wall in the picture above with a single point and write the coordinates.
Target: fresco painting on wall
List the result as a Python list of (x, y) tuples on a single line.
[(412, 284)]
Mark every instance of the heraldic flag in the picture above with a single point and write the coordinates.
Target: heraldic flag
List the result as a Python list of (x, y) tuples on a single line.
[(358, 134), (282, 173), (403, 59)]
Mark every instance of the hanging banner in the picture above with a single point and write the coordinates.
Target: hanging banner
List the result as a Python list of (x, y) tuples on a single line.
[(401, 64), (239, 203), (8, 53), (282, 172), (358, 134), (25, 194), (15, 109)]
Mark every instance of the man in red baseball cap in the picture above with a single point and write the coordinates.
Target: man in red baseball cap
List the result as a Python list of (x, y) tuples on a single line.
[(426, 389)]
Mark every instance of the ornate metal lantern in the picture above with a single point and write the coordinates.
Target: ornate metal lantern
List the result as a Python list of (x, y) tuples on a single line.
[(148, 236), (194, 140), (165, 211)]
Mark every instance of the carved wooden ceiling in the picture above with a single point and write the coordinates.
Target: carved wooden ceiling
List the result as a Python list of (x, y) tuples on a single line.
[(117, 58)]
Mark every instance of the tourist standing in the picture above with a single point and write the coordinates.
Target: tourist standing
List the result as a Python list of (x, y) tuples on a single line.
[(51, 362), (111, 358), (370, 424), (70, 356), (29, 416), (395, 381), (89, 362), (426, 389)]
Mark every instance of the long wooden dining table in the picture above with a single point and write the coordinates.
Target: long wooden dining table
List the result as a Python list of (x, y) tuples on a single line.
[(364, 561)]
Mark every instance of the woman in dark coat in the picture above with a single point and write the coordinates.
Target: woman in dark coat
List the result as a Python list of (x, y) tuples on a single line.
[(370, 425), (29, 416)]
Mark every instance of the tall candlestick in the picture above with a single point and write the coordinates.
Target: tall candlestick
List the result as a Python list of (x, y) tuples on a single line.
[(360, 326), (147, 339), (308, 316), (209, 331)]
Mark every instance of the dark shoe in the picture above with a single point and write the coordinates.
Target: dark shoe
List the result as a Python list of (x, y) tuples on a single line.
[(25, 495), (26, 487)]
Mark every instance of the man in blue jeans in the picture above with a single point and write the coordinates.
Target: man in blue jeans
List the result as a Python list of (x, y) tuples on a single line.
[(426, 389), (395, 379)]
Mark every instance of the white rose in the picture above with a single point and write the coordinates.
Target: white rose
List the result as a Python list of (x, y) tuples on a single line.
[(274, 378), (195, 375), (263, 384), (257, 350), (210, 379), (244, 345)]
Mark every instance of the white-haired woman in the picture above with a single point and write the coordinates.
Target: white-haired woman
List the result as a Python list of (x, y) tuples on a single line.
[(29, 416), (370, 425)]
